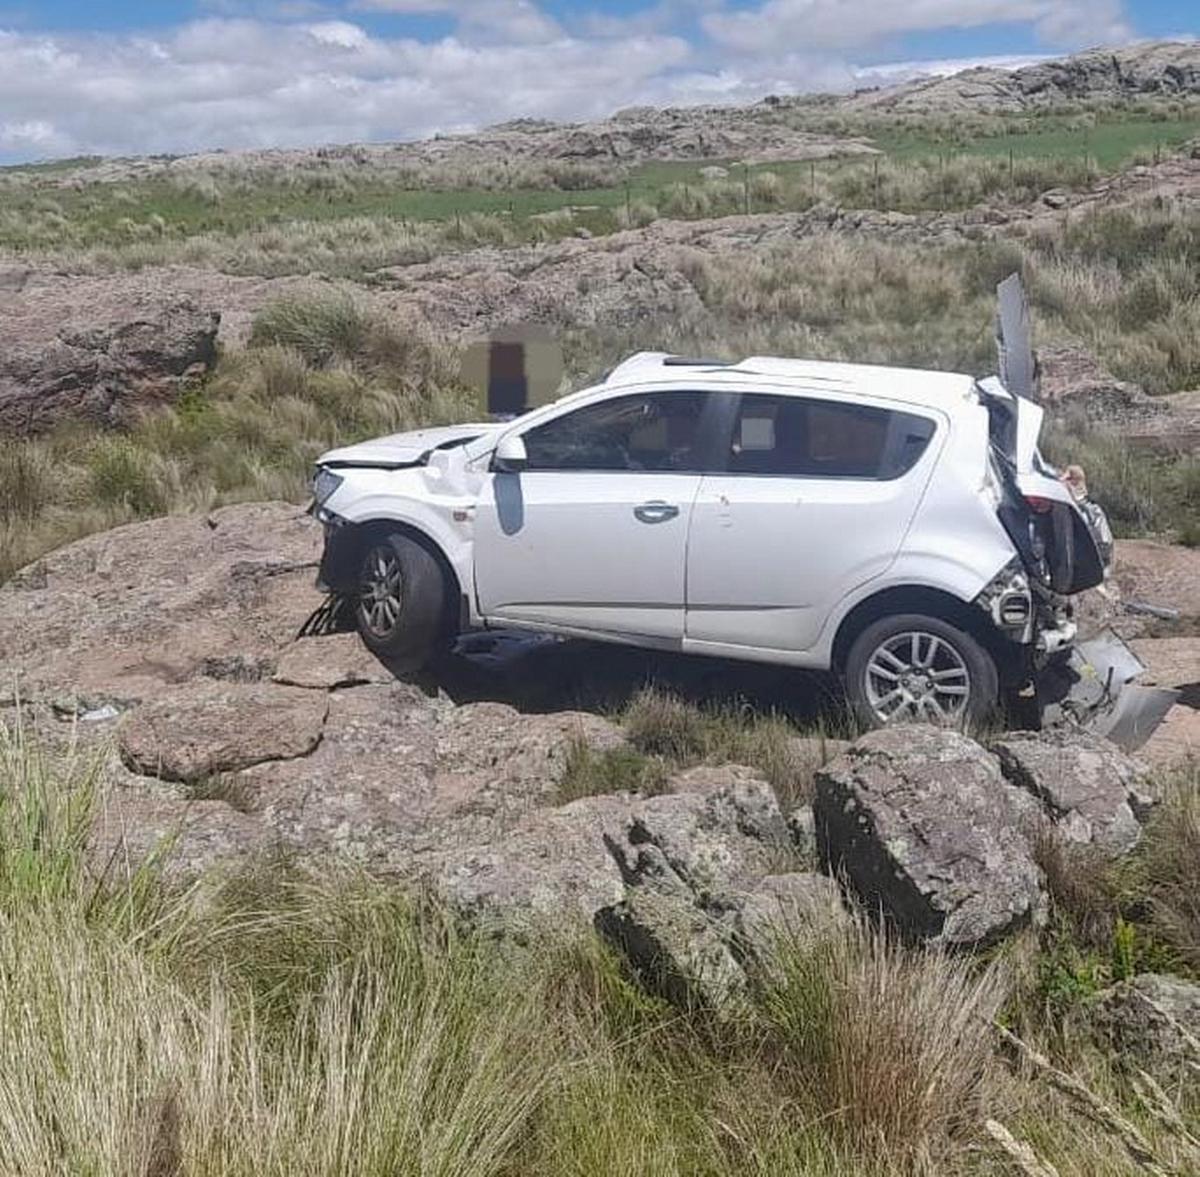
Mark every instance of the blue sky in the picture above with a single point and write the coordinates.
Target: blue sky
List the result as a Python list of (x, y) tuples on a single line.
[(124, 77)]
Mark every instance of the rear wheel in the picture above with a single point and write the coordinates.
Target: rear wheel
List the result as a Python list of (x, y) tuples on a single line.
[(401, 607), (913, 668)]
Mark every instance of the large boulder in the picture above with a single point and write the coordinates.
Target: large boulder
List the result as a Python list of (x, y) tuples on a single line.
[(925, 829), (1094, 793), (1154, 1022), (103, 370)]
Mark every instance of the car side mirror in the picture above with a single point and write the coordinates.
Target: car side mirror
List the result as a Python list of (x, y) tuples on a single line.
[(510, 456)]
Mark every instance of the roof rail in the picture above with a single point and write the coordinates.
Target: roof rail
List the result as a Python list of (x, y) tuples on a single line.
[(695, 362)]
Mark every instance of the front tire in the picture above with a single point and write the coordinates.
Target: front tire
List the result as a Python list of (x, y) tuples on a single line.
[(401, 609), (913, 668)]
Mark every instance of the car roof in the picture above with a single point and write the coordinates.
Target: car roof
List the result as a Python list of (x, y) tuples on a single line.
[(910, 385)]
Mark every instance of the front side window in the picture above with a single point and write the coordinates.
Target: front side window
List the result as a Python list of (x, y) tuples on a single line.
[(807, 438), (651, 431)]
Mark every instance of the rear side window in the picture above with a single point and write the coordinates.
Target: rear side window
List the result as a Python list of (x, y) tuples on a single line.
[(653, 431), (800, 437)]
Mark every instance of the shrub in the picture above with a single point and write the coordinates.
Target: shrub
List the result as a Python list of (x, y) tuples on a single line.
[(321, 328), (892, 1045), (590, 771)]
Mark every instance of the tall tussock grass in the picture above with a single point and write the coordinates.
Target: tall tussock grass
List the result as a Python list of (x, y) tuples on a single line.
[(280, 1021)]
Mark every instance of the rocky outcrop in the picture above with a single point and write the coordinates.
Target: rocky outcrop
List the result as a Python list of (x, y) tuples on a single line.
[(925, 830), (101, 364), (1163, 69), (1154, 1022)]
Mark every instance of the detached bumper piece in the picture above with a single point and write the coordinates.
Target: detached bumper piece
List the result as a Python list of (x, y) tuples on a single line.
[(1095, 689)]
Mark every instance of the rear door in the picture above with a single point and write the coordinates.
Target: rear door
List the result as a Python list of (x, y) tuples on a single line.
[(592, 535), (814, 501)]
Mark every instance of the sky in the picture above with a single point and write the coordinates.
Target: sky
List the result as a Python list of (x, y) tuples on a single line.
[(119, 77)]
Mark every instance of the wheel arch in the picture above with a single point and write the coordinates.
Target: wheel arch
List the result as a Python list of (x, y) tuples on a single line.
[(916, 598), (347, 546)]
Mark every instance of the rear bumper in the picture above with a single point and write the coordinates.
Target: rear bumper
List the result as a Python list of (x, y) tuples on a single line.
[(1093, 687)]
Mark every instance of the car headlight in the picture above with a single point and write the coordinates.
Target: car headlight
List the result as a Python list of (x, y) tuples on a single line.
[(324, 483)]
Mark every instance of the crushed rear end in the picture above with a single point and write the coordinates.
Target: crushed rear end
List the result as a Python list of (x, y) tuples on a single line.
[(1065, 547)]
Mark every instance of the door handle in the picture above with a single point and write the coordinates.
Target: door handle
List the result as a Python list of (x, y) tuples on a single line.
[(655, 511)]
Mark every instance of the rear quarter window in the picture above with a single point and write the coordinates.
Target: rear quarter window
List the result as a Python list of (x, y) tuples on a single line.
[(802, 437)]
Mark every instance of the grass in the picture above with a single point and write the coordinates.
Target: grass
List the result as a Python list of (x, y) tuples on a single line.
[(681, 734), (327, 369), (279, 1021), (348, 215)]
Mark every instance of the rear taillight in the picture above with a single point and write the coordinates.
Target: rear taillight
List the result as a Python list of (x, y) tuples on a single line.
[(1039, 506)]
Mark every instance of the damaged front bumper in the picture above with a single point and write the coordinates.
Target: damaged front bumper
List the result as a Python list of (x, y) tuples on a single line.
[(1094, 688)]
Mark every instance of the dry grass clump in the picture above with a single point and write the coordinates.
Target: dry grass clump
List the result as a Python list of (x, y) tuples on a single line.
[(895, 1046), (278, 1021), (321, 371), (662, 725), (1171, 866)]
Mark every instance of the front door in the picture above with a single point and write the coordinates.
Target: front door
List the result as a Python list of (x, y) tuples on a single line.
[(592, 535)]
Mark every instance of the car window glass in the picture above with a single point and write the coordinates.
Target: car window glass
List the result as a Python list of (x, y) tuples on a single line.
[(652, 431), (809, 438)]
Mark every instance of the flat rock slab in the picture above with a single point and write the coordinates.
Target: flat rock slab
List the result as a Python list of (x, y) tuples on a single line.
[(1170, 662), (151, 605), (209, 727), (927, 831), (1093, 792), (327, 663), (1176, 741)]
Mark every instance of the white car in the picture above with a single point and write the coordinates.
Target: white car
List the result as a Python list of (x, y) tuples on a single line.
[(898, 527)]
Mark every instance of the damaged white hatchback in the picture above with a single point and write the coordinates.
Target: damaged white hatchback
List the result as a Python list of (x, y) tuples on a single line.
[(897, 527)]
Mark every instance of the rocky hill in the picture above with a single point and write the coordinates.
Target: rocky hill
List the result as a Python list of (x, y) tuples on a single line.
[(1164, 69)]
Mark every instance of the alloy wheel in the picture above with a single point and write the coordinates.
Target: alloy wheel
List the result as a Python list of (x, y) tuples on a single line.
[(917, 676), (381, 591)]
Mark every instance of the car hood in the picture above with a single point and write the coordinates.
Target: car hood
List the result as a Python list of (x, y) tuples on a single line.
[(404, 449)]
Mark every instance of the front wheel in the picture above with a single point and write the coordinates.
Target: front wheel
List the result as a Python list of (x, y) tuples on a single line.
[(913, 668), (401, 609)]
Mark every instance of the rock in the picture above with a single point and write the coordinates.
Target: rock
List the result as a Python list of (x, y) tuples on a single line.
[(716, 841), (326, 663), (1056, 198), (1176, 741), (1171, 662), (206, 728), (1077, 388), (800, 907), (553, 865), (676, 950), (130, 612), (182, 839), (802, 825), (1154, 1022), (103, 367), (927, 831), (1094, 793), (1161, 574)]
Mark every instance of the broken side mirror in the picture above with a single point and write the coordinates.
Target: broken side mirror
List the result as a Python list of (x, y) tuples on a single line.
[(510, 456)]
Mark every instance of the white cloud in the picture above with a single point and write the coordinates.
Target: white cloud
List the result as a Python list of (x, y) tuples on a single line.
[(507, 20), (815, 25), (253, 81)]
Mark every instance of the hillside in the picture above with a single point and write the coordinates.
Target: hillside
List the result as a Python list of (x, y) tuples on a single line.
[(1159, 70)]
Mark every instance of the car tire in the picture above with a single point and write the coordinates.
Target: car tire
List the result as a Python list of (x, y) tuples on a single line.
[(889, 680), (401, 604)]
